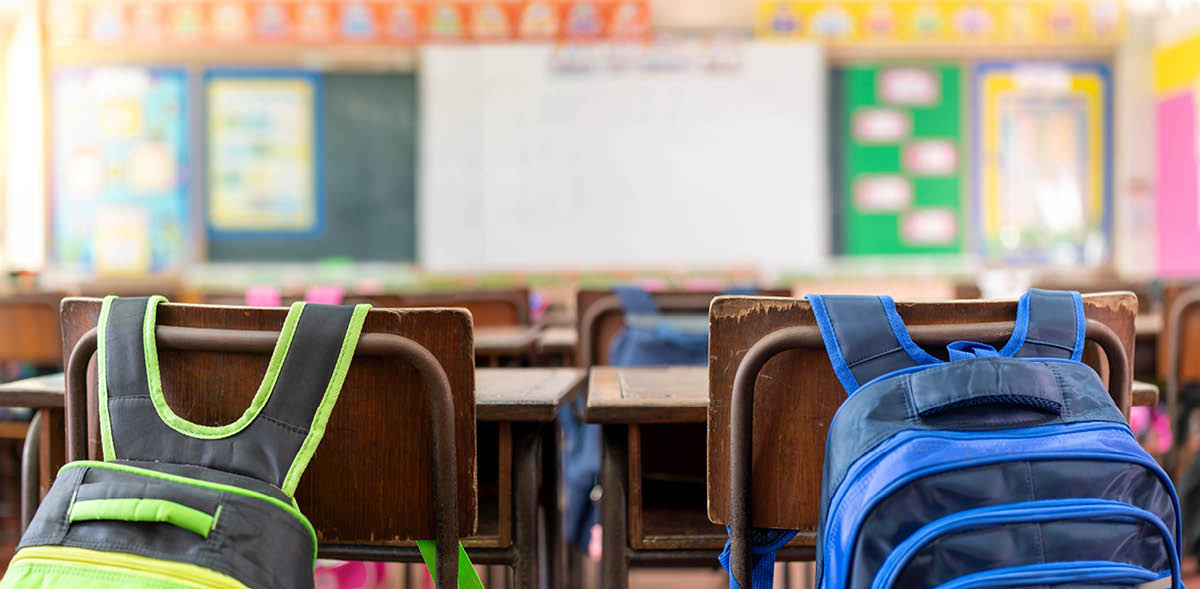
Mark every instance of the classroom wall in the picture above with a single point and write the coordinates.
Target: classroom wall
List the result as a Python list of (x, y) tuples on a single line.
[(529, 162), (1135, 154), (24, 225)]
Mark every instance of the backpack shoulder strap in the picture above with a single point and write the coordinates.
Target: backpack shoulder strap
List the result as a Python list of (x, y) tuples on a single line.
[(275, 437), (865, 338), (1050, 324), (636, 301)]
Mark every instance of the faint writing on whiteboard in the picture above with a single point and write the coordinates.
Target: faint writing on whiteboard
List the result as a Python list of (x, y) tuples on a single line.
[(718, 53)]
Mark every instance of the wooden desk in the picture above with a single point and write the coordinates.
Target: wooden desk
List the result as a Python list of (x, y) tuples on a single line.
[(1148, 324), (524, 394), (559, 342), (515, 409), (1145, 394), (653, 475), (39, 392), (45, 448), (659, 394), (513, 341)]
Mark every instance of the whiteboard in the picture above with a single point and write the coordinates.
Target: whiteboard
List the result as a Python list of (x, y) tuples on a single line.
[(524, 164)]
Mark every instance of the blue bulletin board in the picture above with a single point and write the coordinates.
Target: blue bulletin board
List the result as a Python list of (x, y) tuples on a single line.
[(120, 170)]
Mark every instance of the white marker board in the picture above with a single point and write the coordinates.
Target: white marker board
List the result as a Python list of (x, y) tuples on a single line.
[(527, 165)]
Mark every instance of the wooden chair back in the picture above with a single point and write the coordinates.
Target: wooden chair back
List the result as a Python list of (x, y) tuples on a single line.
[(370, 486), (1179, 340), (489, 308), (30, 330), (796, 393), (600, 317)]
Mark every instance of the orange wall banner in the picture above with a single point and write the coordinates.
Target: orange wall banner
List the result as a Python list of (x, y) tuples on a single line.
[(74, 23)]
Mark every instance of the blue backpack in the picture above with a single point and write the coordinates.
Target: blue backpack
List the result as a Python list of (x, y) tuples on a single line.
[(998, 468), (649, 338)]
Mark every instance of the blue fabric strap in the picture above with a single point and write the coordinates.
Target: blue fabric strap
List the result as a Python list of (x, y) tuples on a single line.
[(636, 301), (1054, 325), (864, 338), (763, 544)]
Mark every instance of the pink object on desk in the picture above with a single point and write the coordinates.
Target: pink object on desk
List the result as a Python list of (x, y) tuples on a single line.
[(1177, 216), (325, 295), (264, 296)]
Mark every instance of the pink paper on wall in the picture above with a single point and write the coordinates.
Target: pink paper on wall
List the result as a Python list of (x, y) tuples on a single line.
[(1178, 217)]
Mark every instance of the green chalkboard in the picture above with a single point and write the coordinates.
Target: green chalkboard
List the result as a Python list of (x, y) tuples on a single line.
[(899, 182), (367, 159)]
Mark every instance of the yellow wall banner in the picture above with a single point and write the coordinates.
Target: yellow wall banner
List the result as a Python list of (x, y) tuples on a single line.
[(943, 21)]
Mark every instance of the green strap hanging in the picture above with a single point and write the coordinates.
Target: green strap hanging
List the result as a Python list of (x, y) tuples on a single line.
[(467, 577)]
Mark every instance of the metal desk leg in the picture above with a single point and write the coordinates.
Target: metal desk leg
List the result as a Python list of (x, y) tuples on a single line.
[(31, 463), (615, 477), (552, 538), (525, 503)]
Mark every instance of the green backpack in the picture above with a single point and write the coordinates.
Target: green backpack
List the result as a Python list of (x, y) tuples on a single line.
[(178, 505)]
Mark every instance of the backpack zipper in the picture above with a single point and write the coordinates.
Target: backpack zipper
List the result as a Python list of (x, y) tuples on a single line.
[(1055, 573), (1047, 510)]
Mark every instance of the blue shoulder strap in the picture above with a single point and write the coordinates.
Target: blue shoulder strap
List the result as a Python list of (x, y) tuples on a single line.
[(636, 301), (1050, 324), (864, 337)]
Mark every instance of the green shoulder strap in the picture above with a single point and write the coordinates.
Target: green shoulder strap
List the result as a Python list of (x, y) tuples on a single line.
[(467, 577)]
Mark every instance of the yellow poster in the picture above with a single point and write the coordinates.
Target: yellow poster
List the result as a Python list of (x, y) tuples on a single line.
[(261, 145)]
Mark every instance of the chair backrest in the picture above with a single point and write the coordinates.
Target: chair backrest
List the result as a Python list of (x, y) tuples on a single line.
[(1179, 340), (600, 317), (797, 393), (489, 308), (29, 330), (371, 481)]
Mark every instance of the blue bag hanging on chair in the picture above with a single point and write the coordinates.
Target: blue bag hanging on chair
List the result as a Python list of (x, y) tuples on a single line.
[(997, 468), (650, 338)]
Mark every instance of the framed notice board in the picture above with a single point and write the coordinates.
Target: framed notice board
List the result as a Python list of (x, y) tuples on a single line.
[(343, 183), (263, 135), (898, 159), (1043, 149), (120, 166)]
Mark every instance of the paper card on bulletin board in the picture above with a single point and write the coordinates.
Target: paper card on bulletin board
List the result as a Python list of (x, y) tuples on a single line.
[(901, 161), (1043, 153), (263, 136), (120, 143)]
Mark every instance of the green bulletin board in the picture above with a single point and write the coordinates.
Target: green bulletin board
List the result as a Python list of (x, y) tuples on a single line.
[(900, 171)]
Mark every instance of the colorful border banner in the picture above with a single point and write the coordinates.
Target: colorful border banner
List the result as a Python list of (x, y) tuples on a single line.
[(332, 22), (943, 21), (1043, 155)]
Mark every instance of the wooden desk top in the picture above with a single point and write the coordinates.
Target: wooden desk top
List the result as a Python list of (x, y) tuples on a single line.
[(515, 339), (39, 392), (524, 394), (1148, 324), (1145, 394), (558, 339), (667, 394)]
